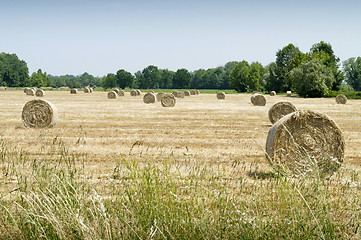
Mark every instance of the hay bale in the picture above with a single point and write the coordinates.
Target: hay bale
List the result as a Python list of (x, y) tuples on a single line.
[(90, 90), (187, 93), (39, 114), (121, 93), (159, 96), (133, 93), (305, 142), (26, 90), (149, 98), (112, 95), (175, 93), (221, 95), (181, 95), (280, 109), (197, 92), (86, 90), (39, 93), (193, 92), (272, 93), (30, 92), (258, 99), (168, 100), (341, 99), (289, 94), (73, 91), (116, 90), (138, 92)]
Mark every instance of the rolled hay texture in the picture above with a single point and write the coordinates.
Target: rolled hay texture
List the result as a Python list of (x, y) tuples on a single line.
[(30, 92), (149, 98), (258, 99), (193, 92), (168, 100), (181, 95), (39, 114), (121, 93), (187, 93), (116, 90), (73, 91), (138, 92), (280, 109), (305, 143), (112, 95), (159, 96), (341, 99), (175, 93), (39, 93), (86, 90), (133, 93), (289, 94), (272, 93), (221, 95)]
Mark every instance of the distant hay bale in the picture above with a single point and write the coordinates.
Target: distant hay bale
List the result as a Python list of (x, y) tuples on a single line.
[(121, 93), (280, 109), (168, 100), (39, 93), (187, 93), (39, 114), (116, 90), (25, 90), (73, 91), (197, 92), (151, 91), (221, 95), (133, 93), (258, 99), (341, 99), (175, 94), (86, 90), (272, 93), (138, 92), (289, 94), (30, 92), (181, 95), (149, 98), (193, 92), (305, 142), (159, 96), (112, 95), (90, 90)]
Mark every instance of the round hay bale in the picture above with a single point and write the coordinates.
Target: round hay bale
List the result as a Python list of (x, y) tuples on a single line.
[(90, 90), (133, 93), (341, 99), (181, 95), (39, 93), (151, 91), (159, 96), (175, 93), (26, 89), (73, 91), (30, 92), (187, 93), (193, 92), (116, 90), (305, 142), (289, 94), (138, 92), (86, 90), (149, 98), (280, 109), (221, 95), (272, 93), (39, 114), (258, 100), (168, 100), (121, 93), (197, 92), (112, 95)]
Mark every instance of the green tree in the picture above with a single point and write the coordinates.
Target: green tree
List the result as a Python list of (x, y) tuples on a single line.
[(182, 79), (270, 77), (39, 79), (198, 77), (312, 79), (124, 79), (13, 71), (352, 69), (166, 78), (148, 78), (110, 81), (239, 76), (255, 78)]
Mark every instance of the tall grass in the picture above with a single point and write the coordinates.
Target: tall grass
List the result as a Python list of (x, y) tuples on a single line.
[(52, 199)]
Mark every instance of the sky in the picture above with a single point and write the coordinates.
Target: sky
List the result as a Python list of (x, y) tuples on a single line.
[(103, 36)]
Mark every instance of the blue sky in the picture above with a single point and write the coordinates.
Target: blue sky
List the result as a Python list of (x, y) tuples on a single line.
[(100, 37)]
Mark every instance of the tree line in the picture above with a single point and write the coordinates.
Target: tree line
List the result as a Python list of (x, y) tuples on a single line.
[(310, 74)]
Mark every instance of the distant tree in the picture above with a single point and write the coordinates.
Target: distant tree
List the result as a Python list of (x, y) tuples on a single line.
[(312, 79), (270, 77), (166, 78), (110, 81), (182, 79), (87, 79), (240, 76), (13, 71), (255, 79), (39, 79), (198, 79), (124, 79), (149, 77), (352, 69)]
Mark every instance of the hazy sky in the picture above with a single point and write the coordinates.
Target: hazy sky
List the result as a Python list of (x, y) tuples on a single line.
[(103, 36)]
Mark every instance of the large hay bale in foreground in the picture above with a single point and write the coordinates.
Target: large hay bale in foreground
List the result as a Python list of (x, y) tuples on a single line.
[(121, 93), (272, 93), (73, 91), (280, 109), (39, 93), (39, 114), (305, 142), (168, 100), (258, 99), (341, 99), (133, 93), (159, 96), (30, 92), (221, 95), (149, 98), (112, 95)]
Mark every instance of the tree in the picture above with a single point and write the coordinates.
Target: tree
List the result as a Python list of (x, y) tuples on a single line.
[(110, 81), (166, 78), (39, 79), (198, 78), (270, 77), (352, 69), (312, 79), (182, 79), (239, 76), (255, 79), (148, 78), (124, 79), (13, 71)]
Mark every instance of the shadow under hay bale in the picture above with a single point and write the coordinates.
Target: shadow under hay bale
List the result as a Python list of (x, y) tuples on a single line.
[(280, 109), (149, 98), (168, 100), (341, 99), (305, 143), (39, 114), (221, 95)]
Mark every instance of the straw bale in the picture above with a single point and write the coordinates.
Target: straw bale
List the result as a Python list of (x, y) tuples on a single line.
[(193, 92), (341, 99), (197, 92), (112, 95), (39, 114), (181, 95), (149, 98), (221, 95), (138, 92), (168, 100), (280, 109), (121, 93), (187, 93), (30, 92), (133, 93), (258, 99), (175, 93), (116, 90), (289, 94), (272, 93), (159, 96), (73, 91), (86, 90), (39, 93), (305, 142)]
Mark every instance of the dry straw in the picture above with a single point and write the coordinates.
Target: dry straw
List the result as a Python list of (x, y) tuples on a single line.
[(39, 93), (112, 95), (149, 98), (159, 96), (73, 91), (272, 93), (187, 93), (280, 109), (193, 92), (133, 93), (39, 114), (168, 100), (121, 93), (138, 92), (221, 95), (341, 99), (258, 99), (305, 142)]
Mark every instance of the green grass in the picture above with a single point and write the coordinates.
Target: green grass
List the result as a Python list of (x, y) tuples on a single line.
[(53, 199), (348, 94)]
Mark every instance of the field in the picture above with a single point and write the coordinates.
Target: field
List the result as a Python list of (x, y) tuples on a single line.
[(121, 168)]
